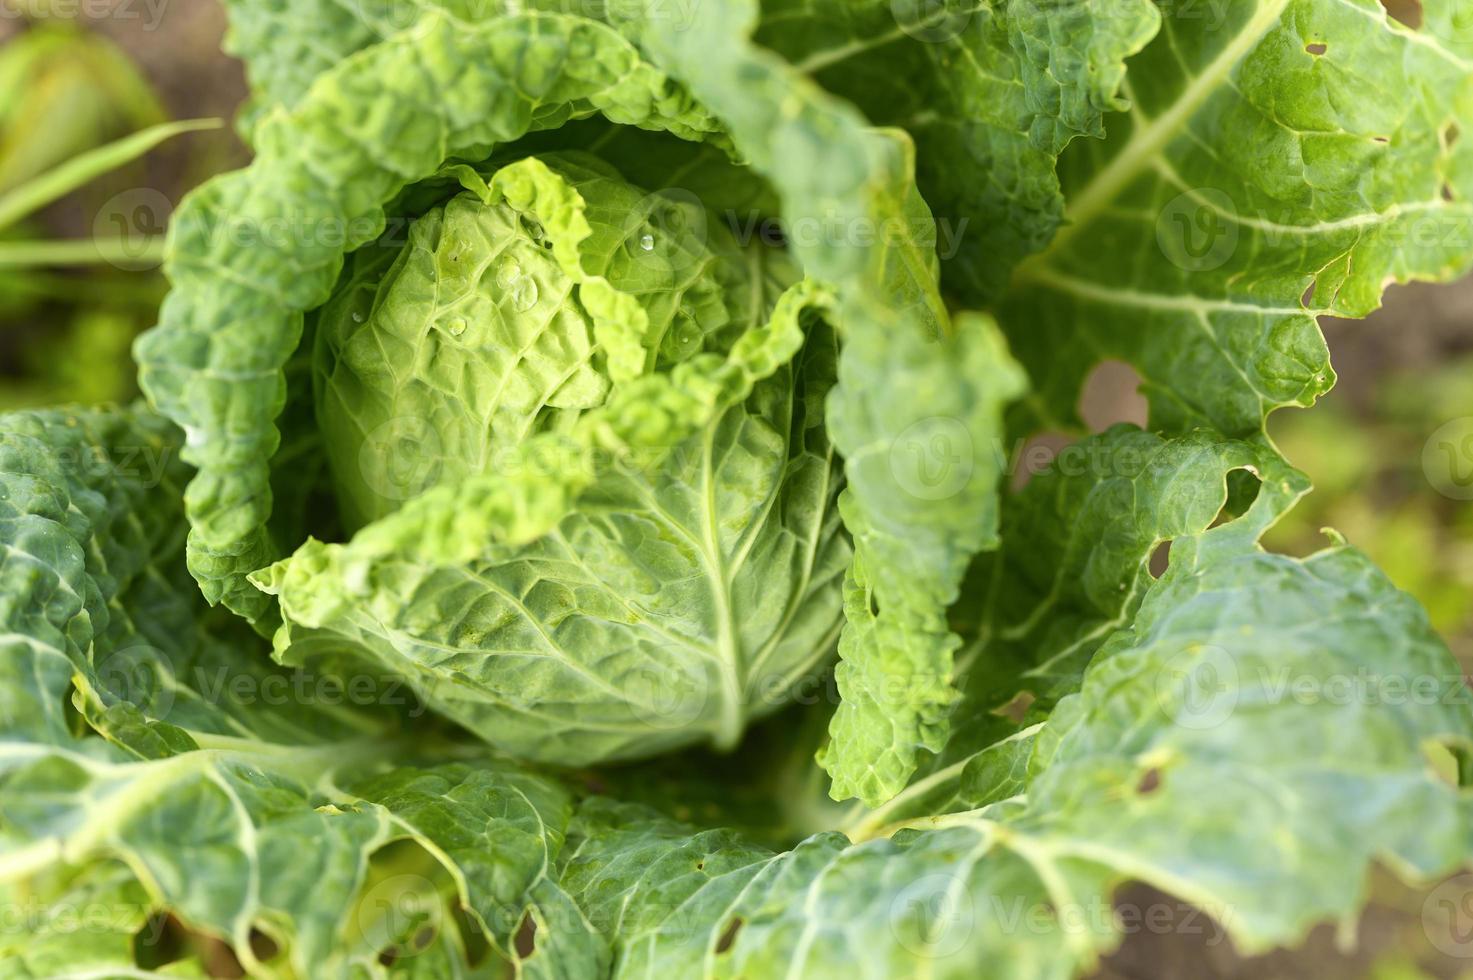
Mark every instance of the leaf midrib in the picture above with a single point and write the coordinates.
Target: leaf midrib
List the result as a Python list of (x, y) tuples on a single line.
[(1148, 143)]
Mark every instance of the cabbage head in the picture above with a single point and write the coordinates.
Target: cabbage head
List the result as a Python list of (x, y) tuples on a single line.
[(535, 312)]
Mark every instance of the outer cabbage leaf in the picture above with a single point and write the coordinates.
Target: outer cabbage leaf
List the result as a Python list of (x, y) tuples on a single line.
[(98, 599), (1078, 542), (286, 44), (1281, 160), (233, 813), (281, 839), (991, 94), (84, 540), (1167, 767), (83, 923)]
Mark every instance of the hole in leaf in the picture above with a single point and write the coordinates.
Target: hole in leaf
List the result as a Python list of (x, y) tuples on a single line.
[(1449, 760), (219, 959), (533, 229), (1150, 782), (1016, 709), (525, 941), (728, 936), (1380, 139), (1447, 193), (263, 947), (404, 902), (1035, 456), (700, 865), (467, 931), (874, 604), (161, 940), (1243, 487), (1317, 49), (1307, 299), (1111, 395), (1450, 134), (1160, 559), (1407, 12)]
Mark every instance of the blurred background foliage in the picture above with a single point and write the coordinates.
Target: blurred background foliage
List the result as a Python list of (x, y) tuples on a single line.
[(1363, 445), (72, 85)]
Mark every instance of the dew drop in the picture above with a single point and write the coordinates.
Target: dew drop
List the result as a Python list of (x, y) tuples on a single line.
[(357, 317), (647, 242), (517, 286), (456, 326), (508, 271), (684, 337), (523, 294)]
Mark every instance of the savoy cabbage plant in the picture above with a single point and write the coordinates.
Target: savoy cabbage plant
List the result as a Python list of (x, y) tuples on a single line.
[(567, 393)]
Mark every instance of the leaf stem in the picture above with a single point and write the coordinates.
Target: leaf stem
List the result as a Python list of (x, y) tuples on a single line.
[(36, 194), (112, 251)]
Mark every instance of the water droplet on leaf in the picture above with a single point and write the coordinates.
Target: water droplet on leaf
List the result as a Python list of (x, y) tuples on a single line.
[(508, 271), (684, 338), (523, 294), (517, 286)]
